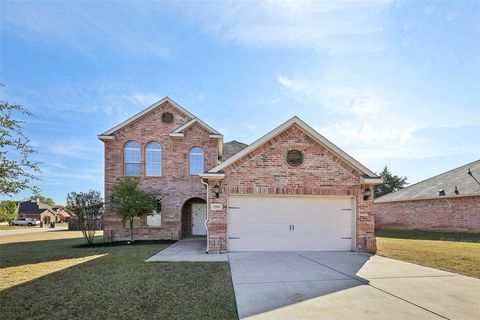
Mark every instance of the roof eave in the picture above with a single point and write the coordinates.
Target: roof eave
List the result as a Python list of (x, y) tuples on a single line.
[(145, 111), (310, 131), (371, 180), (212, 176), (106, 137)]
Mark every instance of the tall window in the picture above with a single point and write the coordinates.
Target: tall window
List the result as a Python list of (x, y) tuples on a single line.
[(132, 158), (153, 158), (154, 219), (196, 161)]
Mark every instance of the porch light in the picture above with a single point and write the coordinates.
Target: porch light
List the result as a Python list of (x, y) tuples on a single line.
[(216, 190), (366, 194)]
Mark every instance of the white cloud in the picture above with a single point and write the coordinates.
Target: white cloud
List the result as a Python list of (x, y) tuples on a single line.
[(375, 124), (85, 28), (115, 99), (451, 16), (325, 25), (355, 101)]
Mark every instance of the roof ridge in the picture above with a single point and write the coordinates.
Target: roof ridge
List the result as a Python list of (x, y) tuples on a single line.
[(237, 142), (145, 111), (425, 180)]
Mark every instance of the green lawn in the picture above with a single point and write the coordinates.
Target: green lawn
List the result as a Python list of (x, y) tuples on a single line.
[(455, 252), (49, 279)]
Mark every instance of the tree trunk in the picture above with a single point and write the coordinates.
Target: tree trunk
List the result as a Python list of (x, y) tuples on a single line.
[(131, 229)]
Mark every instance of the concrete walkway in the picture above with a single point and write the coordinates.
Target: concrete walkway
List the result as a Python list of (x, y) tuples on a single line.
[(347, 285), (193, 249), (31, 230)]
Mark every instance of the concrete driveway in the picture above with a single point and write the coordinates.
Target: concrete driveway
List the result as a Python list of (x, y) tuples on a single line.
[(347, 285)]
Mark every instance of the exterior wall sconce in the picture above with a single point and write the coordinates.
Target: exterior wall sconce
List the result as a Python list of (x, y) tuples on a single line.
[(216, 190), (366, 194)]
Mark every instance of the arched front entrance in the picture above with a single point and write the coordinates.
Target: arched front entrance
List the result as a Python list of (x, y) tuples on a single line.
[(194, 214)]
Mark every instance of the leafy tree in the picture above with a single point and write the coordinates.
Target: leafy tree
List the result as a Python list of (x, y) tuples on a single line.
[(129, 202), (43, 199), (86, 207), (16, 169), (8, 211), (390, 183)]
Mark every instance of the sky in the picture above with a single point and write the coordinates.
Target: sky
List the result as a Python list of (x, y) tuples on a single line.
[(391, 83)]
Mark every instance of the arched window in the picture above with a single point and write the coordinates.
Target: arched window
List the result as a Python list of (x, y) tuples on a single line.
[(196, 161), (132, 158), (153, 159)]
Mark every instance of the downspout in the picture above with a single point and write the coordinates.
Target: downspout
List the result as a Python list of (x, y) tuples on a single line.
[(206, 220)]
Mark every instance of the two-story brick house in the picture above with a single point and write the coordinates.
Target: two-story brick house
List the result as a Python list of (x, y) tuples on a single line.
[(290, 190)]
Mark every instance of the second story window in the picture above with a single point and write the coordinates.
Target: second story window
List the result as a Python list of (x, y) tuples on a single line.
[(153, 159), (196, 161), (132, 158)]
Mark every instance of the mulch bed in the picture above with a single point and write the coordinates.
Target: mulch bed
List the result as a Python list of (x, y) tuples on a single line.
[(123, 243)]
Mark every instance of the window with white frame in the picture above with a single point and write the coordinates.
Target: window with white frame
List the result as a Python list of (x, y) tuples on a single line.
[(196, 161), (132, 158), (153, 159)]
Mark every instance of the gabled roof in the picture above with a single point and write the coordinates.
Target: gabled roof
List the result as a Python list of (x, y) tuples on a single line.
[(368, 174), (32, 207), (447, 181), (179, 132), (106, 134), (232, 148)]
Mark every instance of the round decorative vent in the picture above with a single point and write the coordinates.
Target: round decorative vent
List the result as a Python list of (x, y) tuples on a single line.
[(294, 157), (167, 117)]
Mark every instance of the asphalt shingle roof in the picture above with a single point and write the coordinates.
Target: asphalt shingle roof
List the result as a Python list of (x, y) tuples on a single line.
[(447, 181), (232, 148), (32, 207)]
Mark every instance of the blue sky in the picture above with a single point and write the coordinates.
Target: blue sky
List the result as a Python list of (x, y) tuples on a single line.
[(394, 83)]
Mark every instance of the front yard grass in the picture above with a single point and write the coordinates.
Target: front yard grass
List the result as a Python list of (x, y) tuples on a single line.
[(49, 279), (455, 252)]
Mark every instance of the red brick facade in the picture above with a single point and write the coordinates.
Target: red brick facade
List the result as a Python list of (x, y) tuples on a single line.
[(42, 217), (265, 171), (445, 214), (176, 186)]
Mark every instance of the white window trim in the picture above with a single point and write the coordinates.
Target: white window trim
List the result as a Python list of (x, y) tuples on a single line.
[(153, 162), (125, 162)]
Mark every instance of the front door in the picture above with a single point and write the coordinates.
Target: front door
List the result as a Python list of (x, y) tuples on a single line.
[(199, 215)]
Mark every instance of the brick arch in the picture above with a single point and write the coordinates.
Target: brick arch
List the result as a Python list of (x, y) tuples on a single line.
[(186, 215)]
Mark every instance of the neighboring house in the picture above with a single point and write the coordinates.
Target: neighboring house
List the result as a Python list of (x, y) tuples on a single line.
[(449, 201), (36, 210), (290, 190), (62, 215)]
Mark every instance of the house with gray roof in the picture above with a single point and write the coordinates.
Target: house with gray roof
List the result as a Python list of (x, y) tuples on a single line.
[(449, 201), (36, 210)]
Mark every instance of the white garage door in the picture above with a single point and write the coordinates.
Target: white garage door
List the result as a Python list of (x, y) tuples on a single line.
[(286, 223)]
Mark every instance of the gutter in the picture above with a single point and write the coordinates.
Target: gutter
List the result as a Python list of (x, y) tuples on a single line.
[(206, 220)]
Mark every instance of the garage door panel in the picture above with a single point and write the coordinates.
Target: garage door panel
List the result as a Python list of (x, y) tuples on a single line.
[(286, 223), (273, 230), (268, 244)]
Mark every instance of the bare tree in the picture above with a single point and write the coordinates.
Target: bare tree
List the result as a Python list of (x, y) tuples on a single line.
[(87, 208)]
